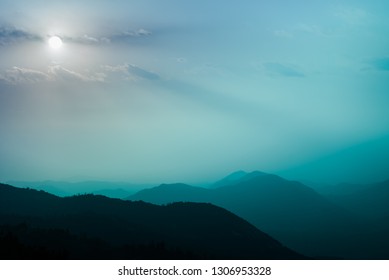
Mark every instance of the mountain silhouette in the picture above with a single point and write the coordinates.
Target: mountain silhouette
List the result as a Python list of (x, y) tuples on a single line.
[(38, 225), (341, 189), (290, 211), (168, 193), (237, 177), (369, 200), (63, 188)]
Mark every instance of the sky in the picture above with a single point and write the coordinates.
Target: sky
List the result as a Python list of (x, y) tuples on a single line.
[(179, 90)]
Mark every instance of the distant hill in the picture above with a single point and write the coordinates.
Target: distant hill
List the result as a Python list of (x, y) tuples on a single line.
[(337, 189), (237, 177), (267, 200), (113, 193), (62, 188), (369, 200), (288, 210), (38, 225), (167, 193)]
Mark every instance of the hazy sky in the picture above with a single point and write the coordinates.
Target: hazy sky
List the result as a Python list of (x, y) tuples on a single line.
[(179, 90)]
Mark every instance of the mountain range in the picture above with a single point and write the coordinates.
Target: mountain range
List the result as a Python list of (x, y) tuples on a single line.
[(295, 214), (64, 188), (320, 221), (38, 225), (369, 200)]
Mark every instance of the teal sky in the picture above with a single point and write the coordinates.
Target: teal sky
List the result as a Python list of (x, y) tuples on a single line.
[(162, 91)]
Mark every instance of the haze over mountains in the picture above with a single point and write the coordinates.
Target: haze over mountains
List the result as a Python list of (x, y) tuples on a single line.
[(63, 188), (185, 92), (290, 211), (320, 221)]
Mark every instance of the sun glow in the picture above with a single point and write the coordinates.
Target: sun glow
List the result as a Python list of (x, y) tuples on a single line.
[(55, 42)]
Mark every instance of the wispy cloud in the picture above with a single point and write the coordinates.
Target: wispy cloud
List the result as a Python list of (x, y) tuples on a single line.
[(10, 34), (131, 71), (138, 33), (278, 69), (58, 73), (18, 75), (122, 68), (142, 73), (88, 39), (130, 35)]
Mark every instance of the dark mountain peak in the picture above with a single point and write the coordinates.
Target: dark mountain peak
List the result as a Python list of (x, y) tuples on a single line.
[(266, 194)]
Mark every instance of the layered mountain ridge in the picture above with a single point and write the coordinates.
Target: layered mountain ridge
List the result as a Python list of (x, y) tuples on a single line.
[(290, 211), (35, 224)]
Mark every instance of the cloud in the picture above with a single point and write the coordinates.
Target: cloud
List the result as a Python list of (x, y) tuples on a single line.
[(10, 35), (131, 71), (130, 35), (60, 73), (139, 72), (57, 73), (381, 64), (18, 75), (122, 68), (282, 70), (137, 33), (87, 39)]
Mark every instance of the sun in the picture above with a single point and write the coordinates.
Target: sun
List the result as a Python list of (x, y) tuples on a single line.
[(55, 42)]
